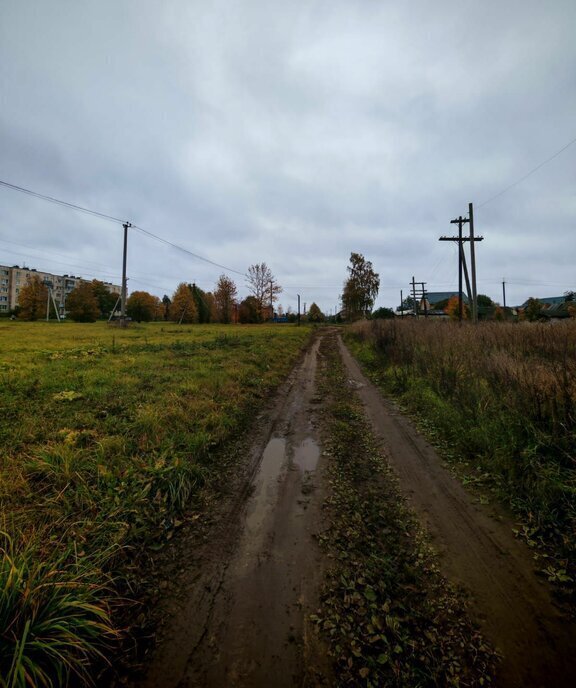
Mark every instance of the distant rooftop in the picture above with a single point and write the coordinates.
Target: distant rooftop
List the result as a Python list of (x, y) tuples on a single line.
[(547, 300), (435, 297)]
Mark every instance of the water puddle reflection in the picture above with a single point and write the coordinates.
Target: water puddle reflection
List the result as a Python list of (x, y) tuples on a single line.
[(306, 455), (265, 483)]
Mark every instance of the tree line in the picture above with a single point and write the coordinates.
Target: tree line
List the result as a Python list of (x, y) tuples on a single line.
[(91, 301)]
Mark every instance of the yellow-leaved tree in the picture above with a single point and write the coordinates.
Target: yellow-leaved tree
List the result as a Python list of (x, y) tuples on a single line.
[(183, 305), (452, 309), (32, 299)]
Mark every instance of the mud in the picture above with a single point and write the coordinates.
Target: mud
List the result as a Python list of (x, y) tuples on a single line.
[(248, 625), (236, 612), (478, 550)]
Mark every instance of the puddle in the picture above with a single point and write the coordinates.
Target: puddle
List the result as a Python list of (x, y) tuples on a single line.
[(265, 483), (306, 455)]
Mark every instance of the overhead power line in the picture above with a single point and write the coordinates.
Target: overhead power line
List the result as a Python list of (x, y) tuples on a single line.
[(518, 181), (111, 218), (185, 250), (58, 201)]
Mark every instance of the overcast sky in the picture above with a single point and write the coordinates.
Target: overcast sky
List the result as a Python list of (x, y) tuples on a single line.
[(291, 133)]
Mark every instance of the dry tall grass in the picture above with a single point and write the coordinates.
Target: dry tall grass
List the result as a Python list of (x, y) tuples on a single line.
[(502, 394)]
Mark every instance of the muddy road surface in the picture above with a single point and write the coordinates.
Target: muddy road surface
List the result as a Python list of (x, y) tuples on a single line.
[(236, 614), (243, 622)]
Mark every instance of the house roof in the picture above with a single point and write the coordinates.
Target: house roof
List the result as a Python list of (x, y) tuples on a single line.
[(547, 301), (557, 310), (434, 297)]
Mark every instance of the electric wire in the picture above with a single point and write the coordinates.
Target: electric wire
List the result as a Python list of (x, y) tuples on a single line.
[(58, 201), (185, 250), (111, 218), (532, 171)]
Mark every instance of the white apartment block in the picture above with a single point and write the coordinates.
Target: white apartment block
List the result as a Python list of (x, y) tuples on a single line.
[(13, 278)]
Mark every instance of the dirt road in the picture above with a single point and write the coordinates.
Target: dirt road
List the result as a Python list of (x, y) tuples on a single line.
[(515, 609), (244, 619), (237, 613)]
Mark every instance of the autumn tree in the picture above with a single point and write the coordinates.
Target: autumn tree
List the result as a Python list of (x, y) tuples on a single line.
[(106, 300), (211, 305), (263, 286), (383, 313), (183, 306), (32, 299), (361, 287), (315, 315), (81, 304), (533, 309), (203, 303), (141, 306), (453, 309), (249, 310), (484, 301), (225, 296)]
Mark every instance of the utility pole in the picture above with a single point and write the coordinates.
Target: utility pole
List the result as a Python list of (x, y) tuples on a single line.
[(504, 291), (473, 261), (460, 221), (298, 310), (423, 297), (418, 294), (465, 269), (123, 295), (401, 303), (462, 268), (51, 299)]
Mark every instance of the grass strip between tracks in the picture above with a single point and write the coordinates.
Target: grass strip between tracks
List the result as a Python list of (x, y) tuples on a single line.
[(388, 614)]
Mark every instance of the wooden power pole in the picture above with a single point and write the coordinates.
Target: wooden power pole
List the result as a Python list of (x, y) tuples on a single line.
[(462, 267), (123, 295)]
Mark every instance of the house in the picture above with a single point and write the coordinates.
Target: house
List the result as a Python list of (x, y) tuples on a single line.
[(546, 302), (553, 307), (434, 304)]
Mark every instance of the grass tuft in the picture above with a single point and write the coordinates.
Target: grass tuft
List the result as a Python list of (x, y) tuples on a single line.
[(54, 617)]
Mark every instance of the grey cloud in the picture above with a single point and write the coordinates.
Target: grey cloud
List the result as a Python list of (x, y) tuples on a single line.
[(293, 134)]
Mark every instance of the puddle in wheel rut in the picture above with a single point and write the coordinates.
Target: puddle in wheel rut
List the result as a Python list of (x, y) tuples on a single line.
[(265, 484), (306, 455)]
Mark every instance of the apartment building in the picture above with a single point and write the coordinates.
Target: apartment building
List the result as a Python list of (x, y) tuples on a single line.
[(13, 278)]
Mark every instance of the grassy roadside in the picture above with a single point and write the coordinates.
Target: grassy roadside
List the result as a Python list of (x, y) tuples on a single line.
[(388, 615), (499, 402), (108, 437)]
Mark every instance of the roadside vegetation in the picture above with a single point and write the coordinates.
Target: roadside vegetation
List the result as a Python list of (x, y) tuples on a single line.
[(109, 436), (388, 615), (500, 400)]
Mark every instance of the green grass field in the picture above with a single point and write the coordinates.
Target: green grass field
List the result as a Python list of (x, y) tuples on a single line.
[(106, 435)]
